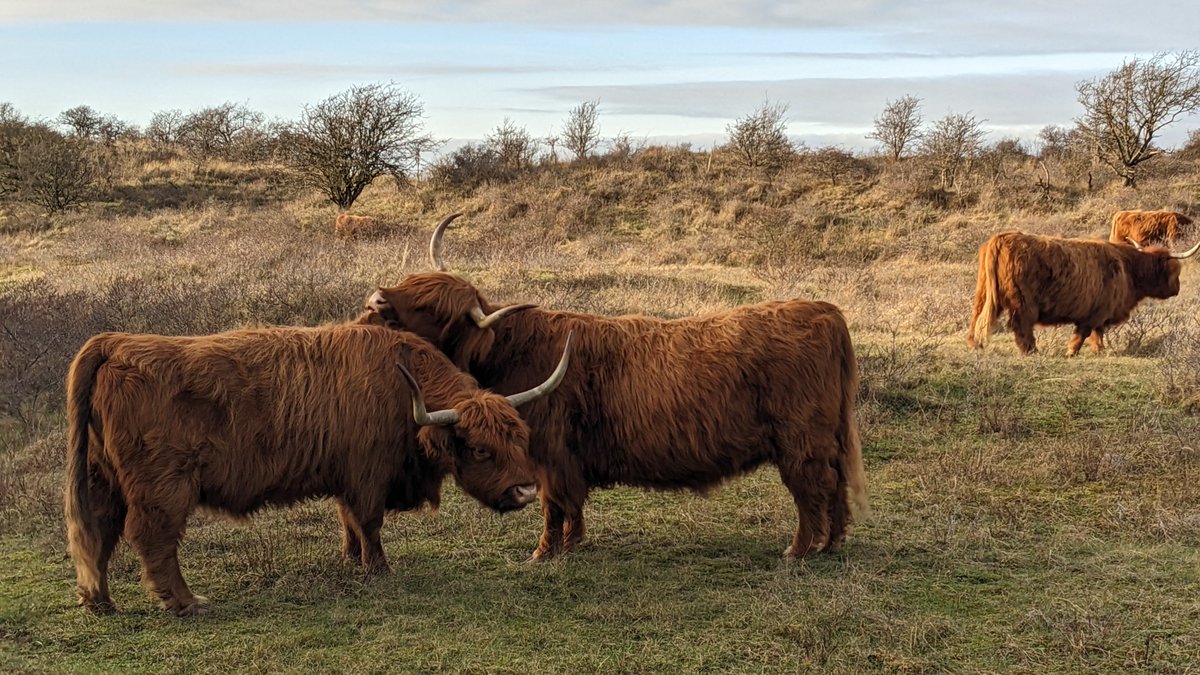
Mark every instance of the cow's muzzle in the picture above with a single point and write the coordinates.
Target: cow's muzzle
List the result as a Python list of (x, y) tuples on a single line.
[(377, 302), (517, 497)]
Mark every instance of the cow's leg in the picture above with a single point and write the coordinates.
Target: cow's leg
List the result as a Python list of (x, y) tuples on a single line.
[(1022, 327), (573, 529), (551, 543), (839, 515), (563, 492), (976, 310), (351, 538), (373, 559), (154, 525), (1096, 340), (1081, 331), (813, 484), (92, 546), (363, 518)]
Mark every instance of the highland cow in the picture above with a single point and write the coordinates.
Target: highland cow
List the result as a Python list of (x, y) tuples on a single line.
[(267, 417), (1143, 228), (679, 404), (1049, 281), (348, 226)]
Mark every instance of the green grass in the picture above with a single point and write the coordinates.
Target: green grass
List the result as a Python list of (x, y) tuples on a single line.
[(995, 545)]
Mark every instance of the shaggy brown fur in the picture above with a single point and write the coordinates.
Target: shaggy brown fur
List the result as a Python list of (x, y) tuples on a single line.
[(1048, 280), (666, 404), (348, 226), (1149, 227), (266, 417)]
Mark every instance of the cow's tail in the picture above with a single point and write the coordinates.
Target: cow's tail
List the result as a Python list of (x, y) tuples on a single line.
[(987, 288), (83, 534), (850, 455)]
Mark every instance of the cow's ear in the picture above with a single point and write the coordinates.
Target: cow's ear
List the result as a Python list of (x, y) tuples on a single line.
[(438, 444)]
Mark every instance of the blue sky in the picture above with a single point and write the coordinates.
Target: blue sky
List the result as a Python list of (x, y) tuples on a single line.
[(661, 70)]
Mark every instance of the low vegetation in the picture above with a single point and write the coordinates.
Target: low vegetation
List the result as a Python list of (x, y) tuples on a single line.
[(1029, 513)]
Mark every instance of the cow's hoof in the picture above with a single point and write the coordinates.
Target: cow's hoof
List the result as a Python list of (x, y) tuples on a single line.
[(100, 607), (539, 556), (793, 552), (199, 606), (377, 569)]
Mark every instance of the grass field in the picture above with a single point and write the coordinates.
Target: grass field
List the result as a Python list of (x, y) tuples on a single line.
[(1030, 514)]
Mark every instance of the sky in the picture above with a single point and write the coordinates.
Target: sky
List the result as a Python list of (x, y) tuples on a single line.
[(663, 71)]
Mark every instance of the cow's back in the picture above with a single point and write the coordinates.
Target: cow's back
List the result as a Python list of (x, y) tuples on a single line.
[(266, 415), (689, 402), (1066, 280)]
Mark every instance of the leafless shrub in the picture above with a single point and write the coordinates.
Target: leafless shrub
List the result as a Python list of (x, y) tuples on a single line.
[(1145, 331), (41, 166), (346, 141), (897, 364), (513, 147), (898, 127), (581, 131), (1180, 366), (950, 145), (759, 140), (40, 331), (834, 164)]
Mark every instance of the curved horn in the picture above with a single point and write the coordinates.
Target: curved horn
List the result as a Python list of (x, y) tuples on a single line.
[(484, 321), (1188, 253), (423, 417), (551, 383), (1133, 241), (435, 244)]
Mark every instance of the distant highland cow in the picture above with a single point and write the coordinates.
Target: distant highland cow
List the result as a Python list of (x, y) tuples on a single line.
[(1144, 228), (1049, 281), (349, 227)]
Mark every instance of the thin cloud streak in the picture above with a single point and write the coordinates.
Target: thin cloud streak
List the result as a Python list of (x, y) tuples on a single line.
[(352, 70)]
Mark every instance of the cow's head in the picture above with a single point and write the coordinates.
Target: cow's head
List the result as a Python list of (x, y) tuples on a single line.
[(1155, 270), (443, 308), (483, 442)]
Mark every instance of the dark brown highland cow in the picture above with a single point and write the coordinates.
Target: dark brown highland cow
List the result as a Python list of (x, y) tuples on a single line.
[(250, 418), (1143, 228), (662, 404), (1049, 281)]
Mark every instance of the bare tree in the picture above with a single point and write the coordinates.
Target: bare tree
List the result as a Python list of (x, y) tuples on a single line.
[(760, 139), (833, 163), (12, 127), (581, 132), (227, 131), (43, 167), (623, 147), (514, 147), (950, 145), (898, 127), (85, 122), (1190, 150), (551, 141), (165, 127), (346, 141), (1125, 110), (1063, 151)]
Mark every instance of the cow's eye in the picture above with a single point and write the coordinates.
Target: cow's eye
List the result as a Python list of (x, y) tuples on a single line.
[(481, 454)]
